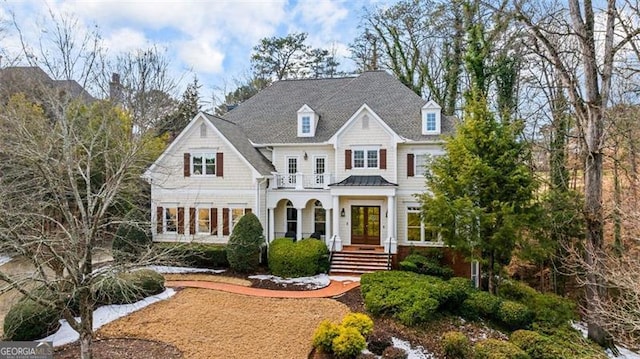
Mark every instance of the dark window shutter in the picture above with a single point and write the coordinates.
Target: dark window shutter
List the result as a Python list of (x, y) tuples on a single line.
[(225, 221), (192, 220), (247, 210), (383, 159), (214, 221), (410, 165), (159, 219), (347, 159), (219, 164), (180, 220), (186, 168)]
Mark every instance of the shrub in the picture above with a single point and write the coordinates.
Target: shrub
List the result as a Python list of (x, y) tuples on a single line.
[(378, 342), (360, 321), (514, 315), (197, 255), (456, 345), (514, 290), (243, 249), (498, 349), (148, 281), (424, 265), (480, 305), (298, 259), (564, 343), (348, 343), (130, 242), (127, 287), (394, 353), (324, 335), (536, 345), (28, 320)]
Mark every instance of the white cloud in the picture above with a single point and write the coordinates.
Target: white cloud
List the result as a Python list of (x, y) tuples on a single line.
[(125, 40), (201, 56)]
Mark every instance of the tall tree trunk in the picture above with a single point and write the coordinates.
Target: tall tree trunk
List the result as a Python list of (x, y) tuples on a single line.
[(86, 323), (617, 203)]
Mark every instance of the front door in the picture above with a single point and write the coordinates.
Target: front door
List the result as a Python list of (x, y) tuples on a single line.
[(365, 225)]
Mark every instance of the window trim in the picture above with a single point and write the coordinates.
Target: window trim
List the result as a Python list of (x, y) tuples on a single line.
[(417, 171), (204, 157), (287, 206), (305, 121), (423, 230), (365, 151), (438, 120)]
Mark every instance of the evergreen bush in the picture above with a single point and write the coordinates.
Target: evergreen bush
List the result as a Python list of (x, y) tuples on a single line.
[(243, 249), (456, 345), (349, 343), (304, 258), (324, 335), (515, 315), (425, 265), (28, 320)]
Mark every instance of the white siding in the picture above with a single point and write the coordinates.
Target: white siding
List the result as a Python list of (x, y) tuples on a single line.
[(304, 166)]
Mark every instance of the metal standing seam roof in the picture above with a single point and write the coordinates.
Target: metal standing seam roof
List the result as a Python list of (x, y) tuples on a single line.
[(270, 116), (377, 181)]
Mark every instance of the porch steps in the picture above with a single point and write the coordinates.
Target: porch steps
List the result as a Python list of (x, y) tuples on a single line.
[(355, 260)]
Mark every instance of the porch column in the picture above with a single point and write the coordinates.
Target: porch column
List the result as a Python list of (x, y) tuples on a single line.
[(336, 224), (391, 242), (327, 226), (299, 224), (272, 225)]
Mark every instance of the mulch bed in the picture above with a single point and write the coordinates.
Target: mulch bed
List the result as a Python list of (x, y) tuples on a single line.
[(122, 348)]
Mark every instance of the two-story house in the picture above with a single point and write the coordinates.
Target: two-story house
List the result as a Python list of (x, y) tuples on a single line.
[(340, 158)]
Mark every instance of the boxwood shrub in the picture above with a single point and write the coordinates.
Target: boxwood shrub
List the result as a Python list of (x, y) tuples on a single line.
[(425, 265), (28, 320), (298, 259), (197, 255), (245, 243)]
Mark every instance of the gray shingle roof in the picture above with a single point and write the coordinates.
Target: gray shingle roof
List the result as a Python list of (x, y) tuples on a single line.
[(31, 78), (270, 116), (363, 181), (239, 140)]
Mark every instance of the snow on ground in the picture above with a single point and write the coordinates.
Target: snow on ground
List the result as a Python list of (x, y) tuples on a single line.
[(624, 352), (413, 353), (315, 282), (103, 315), (178, 270), (5, 259)]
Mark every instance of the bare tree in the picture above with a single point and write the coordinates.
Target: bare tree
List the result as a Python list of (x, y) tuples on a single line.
[(588, 91), (68, 181)]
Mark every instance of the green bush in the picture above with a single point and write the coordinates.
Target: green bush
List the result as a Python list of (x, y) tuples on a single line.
[(28, 320), (348, 343), (498, 349), (456, 345), (564, 343), (421, 264), (243, 249), (535, 344), (130, 242), (514, 315), (394, 353), (148, 281), (480, 305), (324, 335), (127, 287), (300, 259), (197, 255), (409, 297), (517, 291), (360, 321)]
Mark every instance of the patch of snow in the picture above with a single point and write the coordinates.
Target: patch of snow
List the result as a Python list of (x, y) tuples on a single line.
[(413, 353), (180, 270), (343, 278), (624, 352), (315, 282), (4, 259), (103, 315)]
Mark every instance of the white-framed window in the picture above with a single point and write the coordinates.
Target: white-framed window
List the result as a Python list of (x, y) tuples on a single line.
[(170, 224), (431, 118), (292, 169), (203, 164), (306, 124), (319, 168), (365, 158), (203, 220), (430, 122), (420, 163), (319, 218), (416, 231)]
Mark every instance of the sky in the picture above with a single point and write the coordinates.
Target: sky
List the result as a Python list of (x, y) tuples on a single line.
[(210, 38)]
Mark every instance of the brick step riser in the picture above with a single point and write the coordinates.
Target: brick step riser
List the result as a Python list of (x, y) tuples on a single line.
[(378, 263), (359, 256)]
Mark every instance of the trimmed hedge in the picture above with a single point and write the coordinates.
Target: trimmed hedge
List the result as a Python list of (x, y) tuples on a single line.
[(514, 315), (456, 345), (130, 242), (197, 255), (425, 265), (298, 259), (245, 242), (498, 349), (480, 305), (28, 320)]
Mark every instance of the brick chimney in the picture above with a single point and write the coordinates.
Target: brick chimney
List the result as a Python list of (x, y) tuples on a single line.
[(115, 89)]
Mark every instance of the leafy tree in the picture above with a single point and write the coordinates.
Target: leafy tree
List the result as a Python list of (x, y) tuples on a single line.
[(279, 58), (243, 250), (243, 92), (481, 189)]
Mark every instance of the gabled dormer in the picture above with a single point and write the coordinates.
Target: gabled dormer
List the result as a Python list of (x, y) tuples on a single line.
[(431, 118), (307, 121)]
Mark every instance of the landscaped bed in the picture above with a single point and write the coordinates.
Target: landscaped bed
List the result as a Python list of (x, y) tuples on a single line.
[(222, 325)]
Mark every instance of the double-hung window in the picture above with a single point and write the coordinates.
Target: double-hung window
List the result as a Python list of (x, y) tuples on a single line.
[(203, 220), (170, 219), (203, 164), (430, 122), (365, 158), (416, 230)]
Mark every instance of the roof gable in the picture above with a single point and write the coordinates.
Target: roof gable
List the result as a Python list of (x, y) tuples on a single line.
[(364, 108)]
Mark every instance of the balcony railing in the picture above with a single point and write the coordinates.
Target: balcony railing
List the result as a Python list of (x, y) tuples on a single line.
[(301, 181)]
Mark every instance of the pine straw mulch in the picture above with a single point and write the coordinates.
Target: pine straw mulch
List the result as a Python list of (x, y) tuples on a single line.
[(212, 324), (209, 278)]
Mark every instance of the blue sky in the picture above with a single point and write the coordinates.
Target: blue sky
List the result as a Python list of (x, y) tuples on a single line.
[(211, 38)]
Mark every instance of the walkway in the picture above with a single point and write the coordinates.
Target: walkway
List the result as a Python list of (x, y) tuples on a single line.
[(334, 289)]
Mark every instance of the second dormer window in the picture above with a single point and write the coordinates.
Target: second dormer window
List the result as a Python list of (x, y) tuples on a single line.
[(306, 124)]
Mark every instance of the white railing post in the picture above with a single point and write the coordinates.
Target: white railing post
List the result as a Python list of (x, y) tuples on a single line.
[(299, 180)]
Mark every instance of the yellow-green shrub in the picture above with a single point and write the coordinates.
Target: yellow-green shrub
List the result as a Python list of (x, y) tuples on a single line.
[(498, 349), (348, 343), (324, 335), (359, 321), (456, 345)]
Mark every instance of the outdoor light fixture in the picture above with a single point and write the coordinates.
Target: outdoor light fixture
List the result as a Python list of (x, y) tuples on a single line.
[(342, 213), (305, 156)]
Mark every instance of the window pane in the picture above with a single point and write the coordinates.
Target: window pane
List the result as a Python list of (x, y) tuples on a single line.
[(358, 159), (203, 220), (210, 165), (236, 213), (292, 218), (319, 220), (319, 165), (372, 159), (431, 122), (197, 165), (413, 234), (306, 124), (171, 219), (413, 225)]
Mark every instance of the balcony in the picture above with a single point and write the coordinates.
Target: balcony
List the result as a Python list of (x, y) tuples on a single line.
[(299, 181)]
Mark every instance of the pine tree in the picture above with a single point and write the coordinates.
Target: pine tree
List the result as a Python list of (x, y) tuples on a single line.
[(187, 109)]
